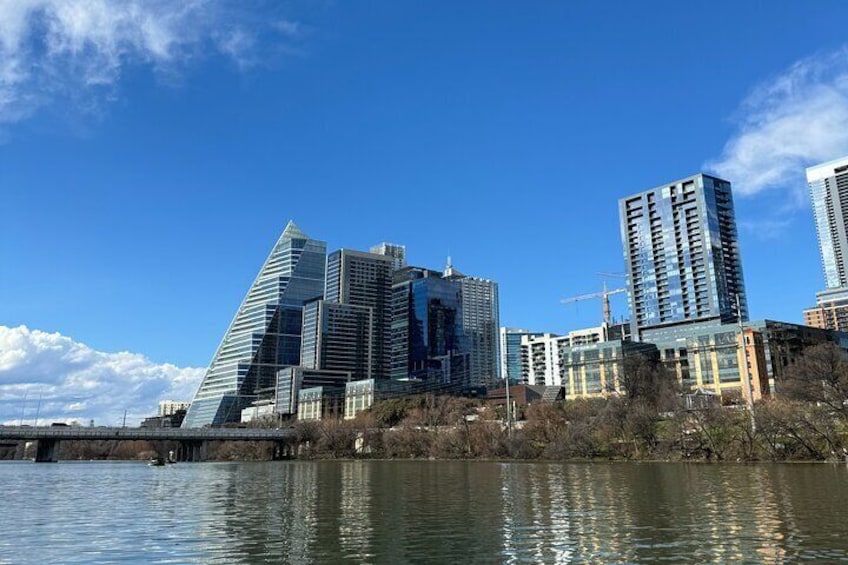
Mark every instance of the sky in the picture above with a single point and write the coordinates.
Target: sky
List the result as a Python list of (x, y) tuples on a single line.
[(151, 152)]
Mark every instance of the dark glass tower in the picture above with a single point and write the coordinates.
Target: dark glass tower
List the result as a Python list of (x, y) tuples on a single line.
[(265, 334), (428, 343)]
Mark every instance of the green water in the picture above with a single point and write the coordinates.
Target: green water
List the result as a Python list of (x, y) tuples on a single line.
[(422, 512)]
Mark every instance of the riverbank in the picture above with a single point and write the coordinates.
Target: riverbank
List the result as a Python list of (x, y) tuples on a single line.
[(611, 429)]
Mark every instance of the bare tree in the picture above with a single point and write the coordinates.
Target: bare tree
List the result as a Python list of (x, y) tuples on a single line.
[(820, 376)]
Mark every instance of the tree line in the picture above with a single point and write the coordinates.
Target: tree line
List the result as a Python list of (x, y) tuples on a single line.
[(806, 420)]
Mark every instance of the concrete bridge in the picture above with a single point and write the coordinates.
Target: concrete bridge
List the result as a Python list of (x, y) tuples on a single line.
[(193, 442)]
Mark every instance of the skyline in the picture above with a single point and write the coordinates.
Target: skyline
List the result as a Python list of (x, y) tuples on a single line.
[(438, 132)]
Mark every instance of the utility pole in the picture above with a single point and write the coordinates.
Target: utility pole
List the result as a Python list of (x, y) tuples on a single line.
[(124, 423), (508, 409), (746, 376)]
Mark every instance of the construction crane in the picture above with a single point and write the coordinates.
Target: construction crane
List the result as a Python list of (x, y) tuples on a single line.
[(603, 295)]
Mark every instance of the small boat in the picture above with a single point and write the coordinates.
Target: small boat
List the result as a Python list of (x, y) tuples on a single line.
[(156, 462)]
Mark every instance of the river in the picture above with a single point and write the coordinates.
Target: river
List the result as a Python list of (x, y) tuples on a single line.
[(422, 512)]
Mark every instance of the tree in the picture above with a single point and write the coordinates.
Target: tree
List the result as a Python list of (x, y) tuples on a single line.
[(645, 378), (820, 375)]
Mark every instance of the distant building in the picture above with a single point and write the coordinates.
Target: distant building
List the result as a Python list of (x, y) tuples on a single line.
[(393, 250), (828, 184), (265, 334), (170, 407), (291, 380), (428, 342), (584, 368), (513, 369), (682, 254), (172, 420), (524, 395), (480, 323), (281, 400), (831, 311)]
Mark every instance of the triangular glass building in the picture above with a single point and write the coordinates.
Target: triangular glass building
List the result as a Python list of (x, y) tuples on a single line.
[(265, 334)]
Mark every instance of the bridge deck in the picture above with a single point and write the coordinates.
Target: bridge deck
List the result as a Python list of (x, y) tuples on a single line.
[(172, 434)]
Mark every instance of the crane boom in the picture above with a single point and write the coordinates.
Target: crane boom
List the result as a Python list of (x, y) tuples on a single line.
[(603, 295)]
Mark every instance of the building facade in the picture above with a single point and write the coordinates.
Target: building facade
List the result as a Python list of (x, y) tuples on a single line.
[(393, 250), (265, 334), (364, 280), (513, 365), (480, 324), (828, 183), (428, 343), (338, 337), (830, 312), (170, 407), (320, 403), (586, 369), (682, 255), (291, 380)]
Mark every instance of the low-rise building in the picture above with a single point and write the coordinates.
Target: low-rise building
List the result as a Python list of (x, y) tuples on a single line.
[(320, 402), (361, 395)]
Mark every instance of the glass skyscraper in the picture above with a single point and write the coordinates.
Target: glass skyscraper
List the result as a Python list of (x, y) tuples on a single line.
[(428, 344), (265, 334), (681, 250), (828, 184)]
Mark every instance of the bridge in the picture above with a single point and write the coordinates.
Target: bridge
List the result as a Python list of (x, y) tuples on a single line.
[(193, 442)]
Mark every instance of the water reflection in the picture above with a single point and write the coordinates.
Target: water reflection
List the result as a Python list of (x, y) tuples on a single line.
[(423, 512), (586, 513)]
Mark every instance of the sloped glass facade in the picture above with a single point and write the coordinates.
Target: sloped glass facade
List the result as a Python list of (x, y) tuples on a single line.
[(265, 334)]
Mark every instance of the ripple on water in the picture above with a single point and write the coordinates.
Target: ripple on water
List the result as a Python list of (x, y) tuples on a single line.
[(417, 512)]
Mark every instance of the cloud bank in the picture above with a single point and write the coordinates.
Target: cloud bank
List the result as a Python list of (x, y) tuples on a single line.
[(59, 379), (797, 119), (74, 51)]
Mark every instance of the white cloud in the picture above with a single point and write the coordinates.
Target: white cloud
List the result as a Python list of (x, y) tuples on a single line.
[(75, 51), (61, 379), (786, 124)]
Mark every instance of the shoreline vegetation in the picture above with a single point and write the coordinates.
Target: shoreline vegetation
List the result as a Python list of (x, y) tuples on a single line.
[(808, 421)]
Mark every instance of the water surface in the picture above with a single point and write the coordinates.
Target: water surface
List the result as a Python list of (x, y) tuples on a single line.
[(422, 512)]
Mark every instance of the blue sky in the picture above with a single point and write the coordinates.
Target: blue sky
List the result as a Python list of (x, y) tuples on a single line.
[(152, 154)]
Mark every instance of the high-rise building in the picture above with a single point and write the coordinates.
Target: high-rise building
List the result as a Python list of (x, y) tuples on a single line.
[(338, 337), (350, 329), (682, 253), (513, 368), (393, 250), (828, 184), (480, 323), (265, 334), (428, 344)]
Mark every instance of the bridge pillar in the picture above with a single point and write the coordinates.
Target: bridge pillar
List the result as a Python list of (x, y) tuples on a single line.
[(283, 450), (192, 451), (47, 451)]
